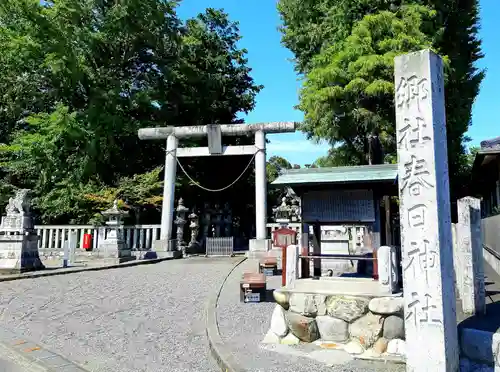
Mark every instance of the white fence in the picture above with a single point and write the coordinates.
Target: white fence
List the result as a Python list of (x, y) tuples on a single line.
[(138, 237), (223, 246)]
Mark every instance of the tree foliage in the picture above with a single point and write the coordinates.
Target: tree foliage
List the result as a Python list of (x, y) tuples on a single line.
[(348, 94), (344, 49), (275, 166), (80, 77)]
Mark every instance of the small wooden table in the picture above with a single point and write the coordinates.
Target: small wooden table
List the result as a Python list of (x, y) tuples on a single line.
[(253, 287)]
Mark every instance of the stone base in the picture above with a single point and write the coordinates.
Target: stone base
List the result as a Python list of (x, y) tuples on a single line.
[(115, 250), (372, 326), (164, 248), (168, 254), (14, 266), (19, 253), (164, 245), (260, 245), (258, 248)]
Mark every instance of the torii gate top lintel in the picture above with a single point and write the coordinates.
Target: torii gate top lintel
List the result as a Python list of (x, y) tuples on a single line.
[(225, 129)]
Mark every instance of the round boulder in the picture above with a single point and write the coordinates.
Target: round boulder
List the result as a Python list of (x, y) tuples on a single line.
[(303, 327), (332, 329), (386, 305), (346, 308), (380, 345), (367, 329), (394, 327), (282, 298), (307, 304), (397, 347), (290, 339), (271, 338), (278, 322), (354, 347)]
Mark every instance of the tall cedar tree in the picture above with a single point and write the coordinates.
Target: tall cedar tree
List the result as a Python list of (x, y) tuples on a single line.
[(324, 36)]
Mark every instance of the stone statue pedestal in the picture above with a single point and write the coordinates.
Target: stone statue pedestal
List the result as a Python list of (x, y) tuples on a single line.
[(19, 253), (18, 239)]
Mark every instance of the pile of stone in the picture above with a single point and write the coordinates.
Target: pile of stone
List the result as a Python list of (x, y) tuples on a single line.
[(356, 324)]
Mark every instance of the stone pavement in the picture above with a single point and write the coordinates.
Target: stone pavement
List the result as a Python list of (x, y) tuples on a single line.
[(10, 362), (54, 266), (135, 319), (243, 326)]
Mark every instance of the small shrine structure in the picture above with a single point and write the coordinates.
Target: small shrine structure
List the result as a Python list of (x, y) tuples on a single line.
[(333, 201)]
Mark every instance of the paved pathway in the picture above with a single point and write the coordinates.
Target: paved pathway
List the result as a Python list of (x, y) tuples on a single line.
[(10, 362), (146, 318), (243, 326)]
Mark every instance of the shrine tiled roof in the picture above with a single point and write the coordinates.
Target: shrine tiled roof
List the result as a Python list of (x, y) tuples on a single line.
[(353, 174), (490, 149)]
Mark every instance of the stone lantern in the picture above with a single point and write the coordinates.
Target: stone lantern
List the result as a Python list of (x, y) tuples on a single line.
[(282, 213), (195, 229), (114, 246), (180, 221), (295, 211)]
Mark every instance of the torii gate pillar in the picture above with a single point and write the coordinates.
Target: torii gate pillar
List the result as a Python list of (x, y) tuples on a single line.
[(164, 246)]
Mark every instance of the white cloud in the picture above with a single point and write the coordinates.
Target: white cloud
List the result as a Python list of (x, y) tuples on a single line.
[(297, 146)]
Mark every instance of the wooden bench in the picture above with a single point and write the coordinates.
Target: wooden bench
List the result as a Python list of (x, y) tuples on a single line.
[(252, 287), (268, 265)]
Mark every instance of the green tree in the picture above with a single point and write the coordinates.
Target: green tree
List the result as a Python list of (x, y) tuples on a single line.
[(349, 92), (275, 166), (80, 77), (471, 155), (317, 30), (311, 25)]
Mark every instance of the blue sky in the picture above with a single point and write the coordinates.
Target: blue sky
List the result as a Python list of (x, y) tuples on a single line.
[(259, 21)]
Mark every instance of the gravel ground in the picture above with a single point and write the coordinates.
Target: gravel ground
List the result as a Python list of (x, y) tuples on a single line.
[(243, 326), (140, 319)]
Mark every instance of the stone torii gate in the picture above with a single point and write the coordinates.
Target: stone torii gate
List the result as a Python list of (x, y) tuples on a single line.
[(214, 132)]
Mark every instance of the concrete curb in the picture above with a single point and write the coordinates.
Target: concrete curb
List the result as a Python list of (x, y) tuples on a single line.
[(34, 357), (218, 349), (62, 271)]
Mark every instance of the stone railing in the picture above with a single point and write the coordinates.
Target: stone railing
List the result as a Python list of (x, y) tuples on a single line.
[(52, 237), (138, 237)]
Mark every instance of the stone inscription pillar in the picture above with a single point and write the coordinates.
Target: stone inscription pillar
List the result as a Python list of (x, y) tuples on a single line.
[(167, 210), (470, 250), (426, 238)]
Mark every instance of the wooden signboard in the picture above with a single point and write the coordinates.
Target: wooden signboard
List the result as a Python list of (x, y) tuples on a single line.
[(283, 237)]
